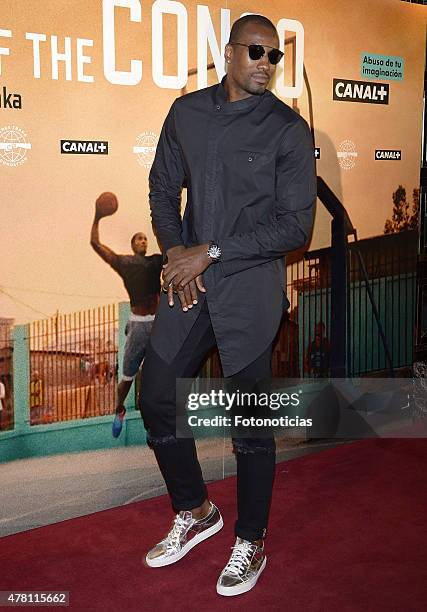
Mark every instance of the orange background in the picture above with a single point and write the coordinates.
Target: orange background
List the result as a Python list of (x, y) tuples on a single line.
[(48, 202)]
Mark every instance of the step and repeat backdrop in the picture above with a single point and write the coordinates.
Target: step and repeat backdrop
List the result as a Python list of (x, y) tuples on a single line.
[(85, 87)]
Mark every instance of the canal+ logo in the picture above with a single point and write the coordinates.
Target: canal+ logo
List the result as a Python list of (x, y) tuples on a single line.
[(388, 154), (84, 147), (345, 90)]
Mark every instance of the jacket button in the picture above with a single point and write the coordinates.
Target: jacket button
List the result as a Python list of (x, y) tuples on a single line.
[(250, 158), (218, 107)]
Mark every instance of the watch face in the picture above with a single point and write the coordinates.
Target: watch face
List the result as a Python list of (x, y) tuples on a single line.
[(214, 252)]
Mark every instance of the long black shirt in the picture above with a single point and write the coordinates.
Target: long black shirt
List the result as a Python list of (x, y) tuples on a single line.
[(251, 188)]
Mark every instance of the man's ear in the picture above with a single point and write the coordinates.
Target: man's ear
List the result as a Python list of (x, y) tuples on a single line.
[(228, 53)]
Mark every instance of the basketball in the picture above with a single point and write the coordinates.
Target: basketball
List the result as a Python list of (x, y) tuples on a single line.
[(106, 204)]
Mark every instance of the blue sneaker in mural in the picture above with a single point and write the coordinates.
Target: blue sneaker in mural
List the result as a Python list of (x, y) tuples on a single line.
[(118, 422)]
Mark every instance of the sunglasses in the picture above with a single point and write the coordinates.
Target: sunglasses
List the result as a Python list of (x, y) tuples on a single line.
[(256, 52)]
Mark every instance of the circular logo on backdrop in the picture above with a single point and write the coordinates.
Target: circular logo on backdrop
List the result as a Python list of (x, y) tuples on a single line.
[(347, 154), (13, 146), (145, 148)]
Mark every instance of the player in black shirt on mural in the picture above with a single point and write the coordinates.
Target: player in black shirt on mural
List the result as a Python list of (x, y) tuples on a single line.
[(141, 277)]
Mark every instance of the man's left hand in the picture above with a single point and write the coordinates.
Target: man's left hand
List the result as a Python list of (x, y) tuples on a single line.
[(186, 266)]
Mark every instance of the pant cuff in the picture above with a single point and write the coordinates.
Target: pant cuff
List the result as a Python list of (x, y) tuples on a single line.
[(189, 505), (250, 533)]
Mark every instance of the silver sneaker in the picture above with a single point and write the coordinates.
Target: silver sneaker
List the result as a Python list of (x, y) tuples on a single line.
[(185, 533), (243, 569)]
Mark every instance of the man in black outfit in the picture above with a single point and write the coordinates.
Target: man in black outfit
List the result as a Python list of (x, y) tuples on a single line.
[(248, 162)]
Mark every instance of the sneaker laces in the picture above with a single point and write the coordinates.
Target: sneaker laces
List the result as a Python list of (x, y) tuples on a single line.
[(240, 557), (180, 527)]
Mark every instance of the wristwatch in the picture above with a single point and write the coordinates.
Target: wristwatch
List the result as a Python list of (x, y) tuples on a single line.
[(214, 252)]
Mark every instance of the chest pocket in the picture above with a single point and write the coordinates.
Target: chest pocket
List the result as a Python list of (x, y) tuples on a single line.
[(249, 160), (253, 170)]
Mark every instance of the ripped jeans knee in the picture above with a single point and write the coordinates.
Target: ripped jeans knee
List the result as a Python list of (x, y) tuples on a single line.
[(264, 446), (155, 441)]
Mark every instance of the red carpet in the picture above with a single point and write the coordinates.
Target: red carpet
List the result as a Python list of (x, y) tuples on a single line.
[(347, 532)]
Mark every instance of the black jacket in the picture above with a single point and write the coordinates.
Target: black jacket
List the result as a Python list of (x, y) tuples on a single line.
[(251, 188)]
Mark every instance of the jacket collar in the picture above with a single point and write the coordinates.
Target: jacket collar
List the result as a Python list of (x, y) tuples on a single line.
[(239, 105)]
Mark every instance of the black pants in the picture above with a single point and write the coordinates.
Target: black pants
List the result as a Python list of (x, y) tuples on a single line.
[(177, 457)]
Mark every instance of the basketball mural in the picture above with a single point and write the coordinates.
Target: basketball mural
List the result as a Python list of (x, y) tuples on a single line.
[(84, 90)]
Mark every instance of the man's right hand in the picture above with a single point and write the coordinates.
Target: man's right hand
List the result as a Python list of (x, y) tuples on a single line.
[(188, 296)]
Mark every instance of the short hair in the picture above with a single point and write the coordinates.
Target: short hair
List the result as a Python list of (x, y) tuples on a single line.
[(239, 25), (132, 240)]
